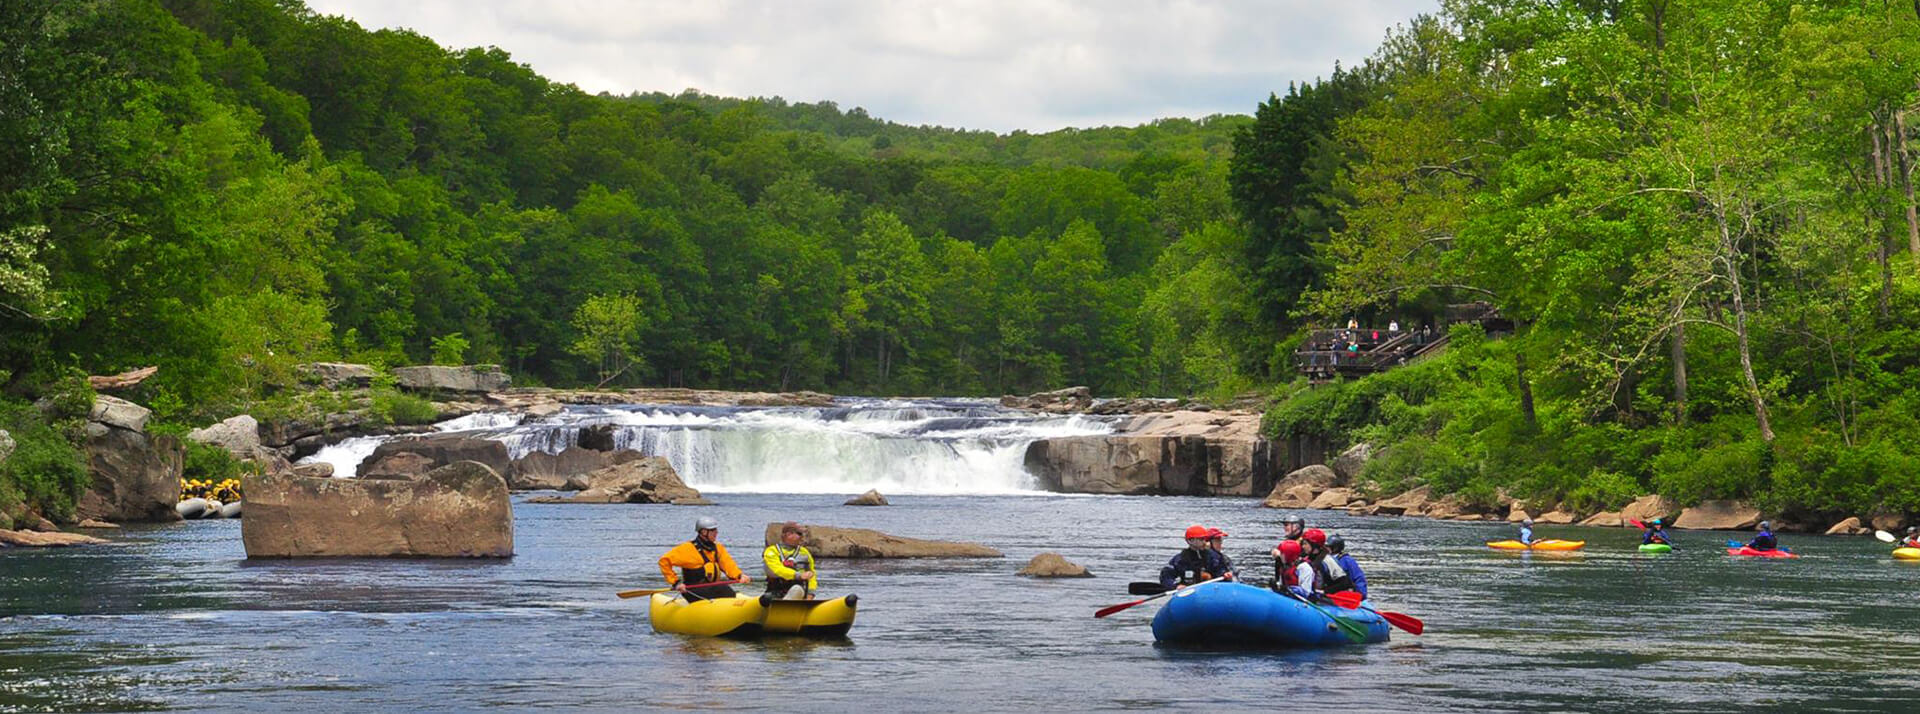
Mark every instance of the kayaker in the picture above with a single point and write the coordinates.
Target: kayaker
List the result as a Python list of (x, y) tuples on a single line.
[(1526, 531), (1338, 546), (1656, 533), (701, 560), (1764, 540), (790, 566), (1292, 574), (1913, 538), (1216, 538), (1197, 562)]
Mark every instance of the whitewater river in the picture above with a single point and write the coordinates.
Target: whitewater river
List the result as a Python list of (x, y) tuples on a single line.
[(177, 618)]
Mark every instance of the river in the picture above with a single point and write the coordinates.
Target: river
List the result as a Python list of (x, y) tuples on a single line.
[(175, 617)]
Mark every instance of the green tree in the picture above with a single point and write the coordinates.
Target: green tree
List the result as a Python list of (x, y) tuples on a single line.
[(609, 328)]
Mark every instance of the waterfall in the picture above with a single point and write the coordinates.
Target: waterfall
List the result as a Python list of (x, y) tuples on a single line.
[(940, 446)]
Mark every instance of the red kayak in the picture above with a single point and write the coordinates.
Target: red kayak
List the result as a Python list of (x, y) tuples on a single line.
[(1743, 550)]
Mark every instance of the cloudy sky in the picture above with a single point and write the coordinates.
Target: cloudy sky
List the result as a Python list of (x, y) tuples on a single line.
[(1037, 65)]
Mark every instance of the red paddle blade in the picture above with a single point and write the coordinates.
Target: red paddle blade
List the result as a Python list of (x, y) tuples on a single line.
[(1349, 599), (1403, 621), (1110, 609), (1636, 523)]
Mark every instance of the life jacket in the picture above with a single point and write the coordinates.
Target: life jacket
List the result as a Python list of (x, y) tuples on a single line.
[(1655, 536), (1286, 576), (709, 564), (1195, 566), (1333, 577), (798, 559), (1765, 541)]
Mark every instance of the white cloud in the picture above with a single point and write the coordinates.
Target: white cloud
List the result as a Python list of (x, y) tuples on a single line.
[(1037, 65)]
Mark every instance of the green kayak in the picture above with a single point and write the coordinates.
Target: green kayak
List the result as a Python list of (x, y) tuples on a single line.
[(1655, 548)]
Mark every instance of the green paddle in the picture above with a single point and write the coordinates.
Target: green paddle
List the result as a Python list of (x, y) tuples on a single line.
[(1352, 630)]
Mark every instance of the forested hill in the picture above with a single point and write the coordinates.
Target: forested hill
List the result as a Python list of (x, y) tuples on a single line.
[(230, 187), (1107, 147)]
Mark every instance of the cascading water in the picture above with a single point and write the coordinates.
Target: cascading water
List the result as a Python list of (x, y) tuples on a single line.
[(920, 446)]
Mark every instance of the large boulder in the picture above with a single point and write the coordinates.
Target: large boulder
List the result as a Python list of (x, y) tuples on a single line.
[(441, 451), (120, 413), (1348, 465), (1851, 527), (1414, 501), (478, 378), (831, 542), (1889, 521), (871, 498), (1333, 498), (400, 466), (337, 375), (1098, 464), (1052, 565), (461, 510), (1719, 516), (648, 479), (1059, 401), (1604, 519), (1297, 496), (1173, 453), (567, 470), (1555, 517), (1647, 508), (239, 435), (135, 477)]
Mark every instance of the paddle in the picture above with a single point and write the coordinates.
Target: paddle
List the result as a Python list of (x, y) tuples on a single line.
[(1351, 600), (1145, 588), (1884, 536), (644, 593), (1110, 609), (1352, 630)]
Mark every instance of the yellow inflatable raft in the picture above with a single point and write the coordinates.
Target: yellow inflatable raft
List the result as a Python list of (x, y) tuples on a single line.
[(1906, 553), (1537, 545), (748, 617)]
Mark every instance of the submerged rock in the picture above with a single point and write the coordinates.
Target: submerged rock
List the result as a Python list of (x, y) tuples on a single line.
[(460, 510), (832, 542), (1052, 565)]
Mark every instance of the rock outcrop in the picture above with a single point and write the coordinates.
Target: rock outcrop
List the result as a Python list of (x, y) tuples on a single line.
[(1172, 453), (565, 471), (469, 379), (1348, 465), (1849, 527), (1719, 516), (1052, 565), (648, 479), (461, 510), (831, 542), (1060, 401), (437, 451), (1300, 488), (239, 435), (1413, 501), (1647, 508), (871, 498), (135, 476), (337, 375)]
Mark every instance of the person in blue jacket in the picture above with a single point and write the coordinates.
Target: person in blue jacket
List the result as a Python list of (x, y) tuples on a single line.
[(1764, 540), (1526, 531), (1358, 580), (1656, 533), (1197, 562)]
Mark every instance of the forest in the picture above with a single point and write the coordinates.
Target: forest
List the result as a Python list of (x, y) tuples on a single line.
[(1700, 220)]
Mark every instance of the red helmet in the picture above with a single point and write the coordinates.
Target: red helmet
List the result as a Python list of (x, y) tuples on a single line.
[(1290, 549), (1315, 536), (1216, 533), (1198, 532)]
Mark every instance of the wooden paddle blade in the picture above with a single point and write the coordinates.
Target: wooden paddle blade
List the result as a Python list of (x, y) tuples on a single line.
[(1145, 588), (1411, 624), (1349, 599)]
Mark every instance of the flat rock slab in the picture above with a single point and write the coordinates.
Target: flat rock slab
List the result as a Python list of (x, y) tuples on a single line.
[(832, 542), (56, 539)]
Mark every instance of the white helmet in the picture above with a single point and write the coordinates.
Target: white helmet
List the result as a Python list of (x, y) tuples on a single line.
[(705, 523)]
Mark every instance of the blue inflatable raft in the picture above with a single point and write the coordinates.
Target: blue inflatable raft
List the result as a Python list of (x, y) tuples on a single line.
[(1227, 614)]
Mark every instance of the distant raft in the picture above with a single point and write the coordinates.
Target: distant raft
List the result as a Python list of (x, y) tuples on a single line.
[(1537, 545), (1228, 614), (748, 617)]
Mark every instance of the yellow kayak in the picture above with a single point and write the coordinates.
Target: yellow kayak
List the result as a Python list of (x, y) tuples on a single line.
[(1906, 553), (747, 617), (1537, 545)]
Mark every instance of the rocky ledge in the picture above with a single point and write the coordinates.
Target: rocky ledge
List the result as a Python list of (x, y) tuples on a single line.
[(461, 510), (1168, 453)]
